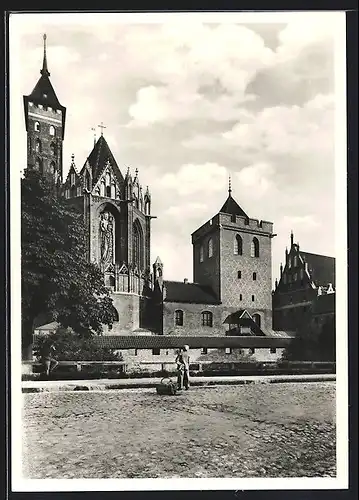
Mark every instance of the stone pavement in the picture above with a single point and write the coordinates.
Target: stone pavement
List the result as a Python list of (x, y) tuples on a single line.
[(106, 384)]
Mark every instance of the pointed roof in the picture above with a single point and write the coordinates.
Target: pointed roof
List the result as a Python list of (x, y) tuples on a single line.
[(231, 207), (44, 93), (320, 267), (98, 158)]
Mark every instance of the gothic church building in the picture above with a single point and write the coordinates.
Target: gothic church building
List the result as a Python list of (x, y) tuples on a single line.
[(231, 290)]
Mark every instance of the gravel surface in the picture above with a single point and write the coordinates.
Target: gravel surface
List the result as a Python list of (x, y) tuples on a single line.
[(281, 430)]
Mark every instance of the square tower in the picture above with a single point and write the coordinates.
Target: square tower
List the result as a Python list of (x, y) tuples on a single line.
[(232, 253)]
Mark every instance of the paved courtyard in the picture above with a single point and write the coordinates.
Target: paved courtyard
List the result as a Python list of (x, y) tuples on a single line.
[(266, 430)]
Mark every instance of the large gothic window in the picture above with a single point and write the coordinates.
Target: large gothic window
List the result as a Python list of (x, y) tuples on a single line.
[(255, 247), (238, 245), (137, 246)]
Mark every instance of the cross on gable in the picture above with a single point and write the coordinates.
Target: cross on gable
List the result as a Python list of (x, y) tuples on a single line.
[(101, 126)]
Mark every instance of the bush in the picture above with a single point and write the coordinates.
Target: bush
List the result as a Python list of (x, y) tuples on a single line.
[(71, 346)]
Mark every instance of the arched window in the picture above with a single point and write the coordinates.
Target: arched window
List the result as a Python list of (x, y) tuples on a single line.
[(108, 191), (39, 165), (147, 207), (254, 276), (52, 131), (238, 245), (201, 253), (113, 190), (207, 318), (255, 247), (108, 179), (37, 126), (257, 319), (38, 145), (210, 248), (102, 188), (137, 246), (53, 149), (295, 261), (87, 180), (115, 316), (179, 317)]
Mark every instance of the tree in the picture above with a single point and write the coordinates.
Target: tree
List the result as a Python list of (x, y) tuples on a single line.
[(313, 342), (56, 277)]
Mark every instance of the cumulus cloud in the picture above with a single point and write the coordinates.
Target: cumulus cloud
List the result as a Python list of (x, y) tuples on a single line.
[(191, 179)]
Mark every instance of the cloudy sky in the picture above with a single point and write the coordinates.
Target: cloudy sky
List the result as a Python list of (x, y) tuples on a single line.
[(189, 100)]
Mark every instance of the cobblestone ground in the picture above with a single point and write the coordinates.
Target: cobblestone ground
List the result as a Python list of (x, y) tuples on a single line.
[(274, 430)]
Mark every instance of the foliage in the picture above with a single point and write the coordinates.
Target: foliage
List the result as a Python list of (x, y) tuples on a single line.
[(74, 347), (313, 342), (57, 278)]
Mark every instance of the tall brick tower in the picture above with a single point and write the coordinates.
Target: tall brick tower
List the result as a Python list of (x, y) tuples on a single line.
[(45, 127), (232, 254)]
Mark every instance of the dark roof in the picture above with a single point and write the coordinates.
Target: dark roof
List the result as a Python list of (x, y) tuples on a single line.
[(178, 291), (321, 268), (43, 93), (98, 158), (231, 207), (324, 304), (174, 342)]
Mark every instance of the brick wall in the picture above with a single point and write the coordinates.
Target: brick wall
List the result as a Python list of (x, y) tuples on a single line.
[(133, 357), (207, 272), (238, 291), (46, 118)]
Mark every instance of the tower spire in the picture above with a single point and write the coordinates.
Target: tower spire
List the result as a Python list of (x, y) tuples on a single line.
[(229, 185), (44, 71)]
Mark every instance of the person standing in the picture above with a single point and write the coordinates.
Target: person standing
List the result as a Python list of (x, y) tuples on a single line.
[(47, 358), (182, 361)]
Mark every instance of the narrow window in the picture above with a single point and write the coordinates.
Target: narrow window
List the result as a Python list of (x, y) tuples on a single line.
[(108, 191), (240, 296), (156, 352), (207, 318), (239, 275), (252, 298), (252, 350), (38, 146), (52, 131), (228, 350), (238, 245), (179, 317), (210, 247), (254, 276), (37, 126), (273, 350), (204, 350), (257, 319), (284, 278), (295, 276), (295, 261), (136, 352), (233, 218), (255, 248), (201, 253)]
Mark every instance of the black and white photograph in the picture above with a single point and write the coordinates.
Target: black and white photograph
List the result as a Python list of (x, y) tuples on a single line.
[(178, 251)]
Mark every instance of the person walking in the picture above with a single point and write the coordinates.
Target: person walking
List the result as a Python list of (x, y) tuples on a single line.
[(182, 361)]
